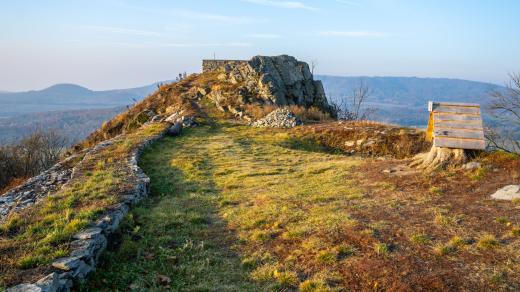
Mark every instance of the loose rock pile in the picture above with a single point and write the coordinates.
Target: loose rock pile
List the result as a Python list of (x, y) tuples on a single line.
[(279, 118)]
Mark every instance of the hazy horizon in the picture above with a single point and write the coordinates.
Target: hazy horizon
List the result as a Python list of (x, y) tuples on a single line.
[(126, 43)]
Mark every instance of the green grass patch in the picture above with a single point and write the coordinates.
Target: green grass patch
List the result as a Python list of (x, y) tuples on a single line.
[(220, 195)]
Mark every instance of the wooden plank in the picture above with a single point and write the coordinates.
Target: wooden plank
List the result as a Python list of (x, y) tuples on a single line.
[(469, 134), (474, 125), (429, 130), (434, 103), (456, 109), (475, 144), (455, 117)]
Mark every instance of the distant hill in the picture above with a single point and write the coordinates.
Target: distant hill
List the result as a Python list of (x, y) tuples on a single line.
[(404, 100), (77, 110), (63, 97), (73, 110)]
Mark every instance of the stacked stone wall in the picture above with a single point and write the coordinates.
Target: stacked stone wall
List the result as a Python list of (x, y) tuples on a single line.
[(88, 244), (212, 65)]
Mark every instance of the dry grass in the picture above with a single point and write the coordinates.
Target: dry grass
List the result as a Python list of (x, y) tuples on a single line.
[(366, 137)]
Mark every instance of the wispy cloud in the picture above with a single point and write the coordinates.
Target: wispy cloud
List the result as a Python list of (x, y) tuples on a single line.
[(120, 30), (192, 45), (264, 36), (282, 4), (348, 2), (160, 44), (195, 15), (353, 34)]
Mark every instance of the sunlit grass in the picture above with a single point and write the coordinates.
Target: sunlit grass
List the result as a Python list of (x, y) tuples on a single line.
[(269, 190)]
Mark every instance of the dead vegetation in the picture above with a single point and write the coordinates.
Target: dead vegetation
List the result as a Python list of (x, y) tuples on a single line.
[(447, 232), (366, 138)]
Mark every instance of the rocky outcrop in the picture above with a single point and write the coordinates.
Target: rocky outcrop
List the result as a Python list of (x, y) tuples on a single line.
[(280, 80), (279, 118)]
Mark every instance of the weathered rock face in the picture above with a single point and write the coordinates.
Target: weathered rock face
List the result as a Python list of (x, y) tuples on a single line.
[(280, 80)]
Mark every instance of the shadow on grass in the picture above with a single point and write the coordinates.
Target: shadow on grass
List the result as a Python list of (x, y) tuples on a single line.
[(175, 239)]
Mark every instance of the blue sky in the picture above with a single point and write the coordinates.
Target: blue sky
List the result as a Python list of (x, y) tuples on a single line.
[(104, 44)]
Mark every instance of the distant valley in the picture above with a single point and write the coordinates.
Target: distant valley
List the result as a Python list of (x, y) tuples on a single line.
[(71, 109), (76, 110), (404, 100)]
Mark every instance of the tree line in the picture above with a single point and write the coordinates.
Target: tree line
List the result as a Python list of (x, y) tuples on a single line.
[(31, 155)]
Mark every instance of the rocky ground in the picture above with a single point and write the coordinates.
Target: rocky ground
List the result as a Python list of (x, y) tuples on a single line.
[(279, 118), (37, 188)]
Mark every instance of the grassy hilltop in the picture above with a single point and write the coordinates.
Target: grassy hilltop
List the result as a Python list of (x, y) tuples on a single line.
[(239, 208)]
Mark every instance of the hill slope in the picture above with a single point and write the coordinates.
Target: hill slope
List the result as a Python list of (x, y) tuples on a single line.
[(68, 97)]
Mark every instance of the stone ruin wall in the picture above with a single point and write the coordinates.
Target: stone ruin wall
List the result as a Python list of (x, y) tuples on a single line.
[(212, 65)]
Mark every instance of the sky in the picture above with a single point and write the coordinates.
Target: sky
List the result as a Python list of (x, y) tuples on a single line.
[(107, 44)]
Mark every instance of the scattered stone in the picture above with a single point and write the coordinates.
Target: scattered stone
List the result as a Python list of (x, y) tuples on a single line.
[(163, 280), (88, 233), (174, 118), (279, 118), (155, 119), (350, 143), (400, 170), (67, 264), (508, 193), (49, 283), (471, 165), (175, 130), (25, 288), (188, 122)]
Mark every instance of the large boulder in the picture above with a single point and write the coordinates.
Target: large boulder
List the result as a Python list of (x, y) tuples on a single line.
[(280, 80)]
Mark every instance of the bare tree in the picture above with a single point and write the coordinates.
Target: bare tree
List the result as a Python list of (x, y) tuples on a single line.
[(506, 107), (353, 107), (314, 63), (33, 154)]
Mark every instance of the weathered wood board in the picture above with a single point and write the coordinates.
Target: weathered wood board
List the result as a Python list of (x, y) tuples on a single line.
[(456, 125)]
